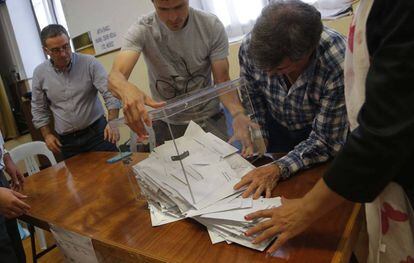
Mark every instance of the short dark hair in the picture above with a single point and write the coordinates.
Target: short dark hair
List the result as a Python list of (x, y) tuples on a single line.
[(52, 30), (285, 29)]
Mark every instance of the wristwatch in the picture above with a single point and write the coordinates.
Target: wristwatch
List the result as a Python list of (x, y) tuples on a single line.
[(284, 171)]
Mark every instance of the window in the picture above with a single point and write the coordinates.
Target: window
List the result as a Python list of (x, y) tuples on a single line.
[(238, 16), (49, 12)]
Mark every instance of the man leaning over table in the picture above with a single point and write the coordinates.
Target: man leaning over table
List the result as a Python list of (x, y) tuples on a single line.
[(375, 165), (12, 205), (293, 67), (182, 47), (66, 86)]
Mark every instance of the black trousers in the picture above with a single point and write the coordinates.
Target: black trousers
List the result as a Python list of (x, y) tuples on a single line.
[(11, 248), (87, 140)]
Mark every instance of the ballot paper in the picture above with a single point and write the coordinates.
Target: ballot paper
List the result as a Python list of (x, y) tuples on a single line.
[(75, 247), (200, 186)]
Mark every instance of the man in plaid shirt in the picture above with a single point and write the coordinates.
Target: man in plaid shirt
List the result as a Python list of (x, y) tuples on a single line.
[(293, 67)]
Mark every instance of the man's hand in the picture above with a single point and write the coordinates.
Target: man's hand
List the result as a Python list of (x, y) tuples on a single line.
[(111, 134), (242, 125), (262, 179), (11, 168), (286, 221), (53, 143), (136, 115), (11, 204)]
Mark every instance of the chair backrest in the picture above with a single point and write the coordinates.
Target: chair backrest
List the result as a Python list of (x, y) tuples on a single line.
[(28, 152)]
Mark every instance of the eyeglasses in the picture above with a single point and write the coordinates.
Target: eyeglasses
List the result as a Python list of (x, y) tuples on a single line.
[(180, 85), (57, 50)]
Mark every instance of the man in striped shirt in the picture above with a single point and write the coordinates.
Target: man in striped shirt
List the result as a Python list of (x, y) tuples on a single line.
[(293, 67)]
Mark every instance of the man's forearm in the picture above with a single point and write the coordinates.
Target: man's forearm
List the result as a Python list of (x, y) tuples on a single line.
[(8, 162), (117, 84), (6, 158), (232, 103), (45, 130), (320, 200), (230, 99)]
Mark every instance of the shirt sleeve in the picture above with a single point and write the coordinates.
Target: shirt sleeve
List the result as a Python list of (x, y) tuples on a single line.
[(40, 105), (220, 42), (329, 130), (100, 81), (134, 38), (253, 87), (381, 148)]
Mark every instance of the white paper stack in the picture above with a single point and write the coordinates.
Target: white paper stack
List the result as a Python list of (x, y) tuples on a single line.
[(210, 170)]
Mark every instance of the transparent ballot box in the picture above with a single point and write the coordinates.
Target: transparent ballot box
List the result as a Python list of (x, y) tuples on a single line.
[(209, 108), (196, 151)]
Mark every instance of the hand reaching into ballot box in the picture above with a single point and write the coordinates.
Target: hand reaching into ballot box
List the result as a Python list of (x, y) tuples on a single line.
[(262, 179), (245, 131), (136, 115), (242, 125)]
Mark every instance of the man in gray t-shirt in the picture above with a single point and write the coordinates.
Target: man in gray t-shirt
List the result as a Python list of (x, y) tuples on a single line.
[(182, 46)]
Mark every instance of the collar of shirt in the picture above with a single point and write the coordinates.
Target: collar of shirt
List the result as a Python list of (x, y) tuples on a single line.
[(303, 78), (308, 73), (68, 67)]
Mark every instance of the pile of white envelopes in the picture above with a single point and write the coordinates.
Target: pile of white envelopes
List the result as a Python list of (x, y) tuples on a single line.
[(200, 186)]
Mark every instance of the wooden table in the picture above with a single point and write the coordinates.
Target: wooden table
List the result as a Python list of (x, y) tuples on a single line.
[(86, 195)]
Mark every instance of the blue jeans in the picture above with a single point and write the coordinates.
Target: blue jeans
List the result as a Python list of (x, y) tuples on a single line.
[(282, 140), (87, 140)]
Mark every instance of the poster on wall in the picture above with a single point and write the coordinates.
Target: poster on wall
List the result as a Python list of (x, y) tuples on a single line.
[(105, 39), (97, 41)]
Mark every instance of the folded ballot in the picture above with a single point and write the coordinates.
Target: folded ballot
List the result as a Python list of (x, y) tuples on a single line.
[(193, 177)]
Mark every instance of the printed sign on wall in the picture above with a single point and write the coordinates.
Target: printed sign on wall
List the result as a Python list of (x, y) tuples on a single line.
[(105, 39)]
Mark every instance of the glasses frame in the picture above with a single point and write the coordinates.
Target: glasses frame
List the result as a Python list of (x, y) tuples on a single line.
[(57, 50)]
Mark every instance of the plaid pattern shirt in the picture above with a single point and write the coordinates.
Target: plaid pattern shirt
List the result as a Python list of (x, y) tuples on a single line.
[(316, 99)]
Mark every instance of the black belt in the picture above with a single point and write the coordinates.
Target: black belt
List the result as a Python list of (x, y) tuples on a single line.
[(78, 133)]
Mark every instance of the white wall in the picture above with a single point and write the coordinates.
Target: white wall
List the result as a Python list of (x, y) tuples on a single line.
[(26, 35), (86, 15)]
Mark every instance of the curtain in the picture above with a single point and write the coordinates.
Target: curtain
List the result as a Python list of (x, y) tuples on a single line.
[(7, 123), (238, 16)]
